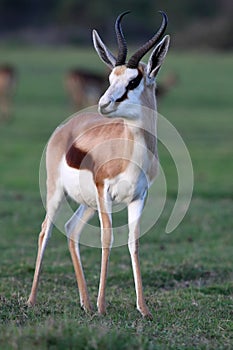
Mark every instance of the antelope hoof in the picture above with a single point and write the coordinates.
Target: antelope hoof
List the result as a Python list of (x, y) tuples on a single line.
[(102, 309), (30, 303), (145, 313), (148, 316), (87, 307)]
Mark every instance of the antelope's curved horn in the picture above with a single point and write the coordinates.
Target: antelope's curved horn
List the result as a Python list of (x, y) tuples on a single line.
[(134, 60), (122, 46)]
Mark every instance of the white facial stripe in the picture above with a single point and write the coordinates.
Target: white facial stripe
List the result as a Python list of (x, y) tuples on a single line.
[(119, 83)]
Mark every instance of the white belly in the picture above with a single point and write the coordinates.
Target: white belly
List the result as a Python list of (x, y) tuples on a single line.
[(123, 188), (78, 184)]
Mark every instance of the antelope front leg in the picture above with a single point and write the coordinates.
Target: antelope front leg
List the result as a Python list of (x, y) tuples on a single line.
[(134, 214), (101, 304), (106, 240)]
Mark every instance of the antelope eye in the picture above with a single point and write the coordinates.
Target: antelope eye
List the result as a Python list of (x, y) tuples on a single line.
[(134, 83)]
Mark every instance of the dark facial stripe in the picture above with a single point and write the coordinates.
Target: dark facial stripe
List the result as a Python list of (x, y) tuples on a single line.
[(123, 97), (133, 84)]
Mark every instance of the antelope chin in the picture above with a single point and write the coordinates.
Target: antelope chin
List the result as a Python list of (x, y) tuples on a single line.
[(107, 114)]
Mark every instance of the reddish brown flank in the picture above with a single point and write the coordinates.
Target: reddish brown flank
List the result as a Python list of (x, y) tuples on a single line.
[(79, 159), (111, 146)]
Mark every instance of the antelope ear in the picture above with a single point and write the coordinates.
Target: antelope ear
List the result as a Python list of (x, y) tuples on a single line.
[(104, 53), (157, 57)]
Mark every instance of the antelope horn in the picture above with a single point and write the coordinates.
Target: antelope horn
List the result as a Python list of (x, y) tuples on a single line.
[(122, 46), (134, 60)]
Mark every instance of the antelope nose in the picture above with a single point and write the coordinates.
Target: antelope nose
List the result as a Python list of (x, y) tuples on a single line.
[(103, 105)]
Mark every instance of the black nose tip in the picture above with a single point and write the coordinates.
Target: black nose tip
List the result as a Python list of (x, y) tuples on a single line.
[(105, 105)]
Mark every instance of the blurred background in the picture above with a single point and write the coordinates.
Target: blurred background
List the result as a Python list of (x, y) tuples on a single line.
[(194, 23)]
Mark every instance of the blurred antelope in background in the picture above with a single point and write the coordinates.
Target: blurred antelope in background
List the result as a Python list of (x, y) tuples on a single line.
[(84, 87), (166, 85), (106, 158), (7, 89)]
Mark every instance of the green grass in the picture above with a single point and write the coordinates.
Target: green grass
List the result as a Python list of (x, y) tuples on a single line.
[(187, 274)]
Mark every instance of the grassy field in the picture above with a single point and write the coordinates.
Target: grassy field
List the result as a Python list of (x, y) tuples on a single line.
[(187, 275)]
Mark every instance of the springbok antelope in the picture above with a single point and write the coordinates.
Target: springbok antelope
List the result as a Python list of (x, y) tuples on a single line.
[(100, 159), (84, 87), (7, 86)]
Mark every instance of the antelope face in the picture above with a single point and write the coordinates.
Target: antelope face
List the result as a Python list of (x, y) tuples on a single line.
[(129, 80), (126, 86)]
